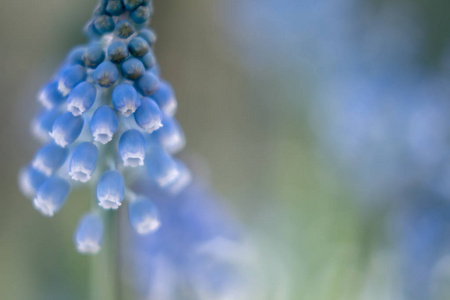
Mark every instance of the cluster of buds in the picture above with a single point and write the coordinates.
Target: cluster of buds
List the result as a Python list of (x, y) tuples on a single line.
[(107, 113)]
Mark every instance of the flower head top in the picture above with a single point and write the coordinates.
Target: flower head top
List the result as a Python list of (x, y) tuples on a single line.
[(107, 113)]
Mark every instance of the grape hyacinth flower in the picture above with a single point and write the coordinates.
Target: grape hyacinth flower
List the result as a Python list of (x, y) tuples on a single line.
[(51, 195), (81, 98), (143, 215), (89, 234), (199, 243), (83, 162), (102, 111)]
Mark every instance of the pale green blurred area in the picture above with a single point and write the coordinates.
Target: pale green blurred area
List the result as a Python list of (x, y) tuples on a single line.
[(314, 241)]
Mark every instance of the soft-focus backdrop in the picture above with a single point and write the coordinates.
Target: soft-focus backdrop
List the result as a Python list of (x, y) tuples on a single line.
[(324, 125)]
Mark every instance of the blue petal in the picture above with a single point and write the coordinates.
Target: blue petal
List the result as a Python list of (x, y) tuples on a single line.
[(104, 124), (138, 46), (183, 180), (91, 32), (147, 84), (143, 215), (71, 77), (125, 99), (83, 162), (75, 56), (104, 24), (161, 166), (132, 68), (30, 180), (51, 195), (114, 7), (148, 116), (106, 74), (171, 135), (94, 55), (49, 158), (132, 148), (81, 98), (89, 234), (117, 52), (66, 129), (43, 123), (132, 4), (50, 96), (148, 35), (110, 190), (141, 14), (165, 98), (149, 60), (124, 29)]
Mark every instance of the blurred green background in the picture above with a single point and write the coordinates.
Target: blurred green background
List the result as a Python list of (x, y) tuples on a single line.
[(263, 155)]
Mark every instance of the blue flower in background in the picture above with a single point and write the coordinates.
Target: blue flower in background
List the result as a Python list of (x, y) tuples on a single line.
[(89, 234), (101, 114), (199, 252), (379, 115)]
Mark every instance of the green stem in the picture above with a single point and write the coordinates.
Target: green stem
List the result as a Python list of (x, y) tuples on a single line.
[(105, 275), (105, 266)]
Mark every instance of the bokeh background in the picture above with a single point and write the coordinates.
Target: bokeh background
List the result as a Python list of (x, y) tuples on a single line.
[(324, 124)]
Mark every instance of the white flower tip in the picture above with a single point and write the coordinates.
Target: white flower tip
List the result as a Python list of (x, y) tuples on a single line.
[(43, 99), (88, 247), (76, 109), (46, 208), (59, 138), (148, 225), (39, 165), (109, 203), (133, 159), (171, 109), (40, 133), (128, 109), (175, 143), (63, 89), (180, 183), (102, 137), (170, 177), (80, 175), (25, 185), (150, 127)]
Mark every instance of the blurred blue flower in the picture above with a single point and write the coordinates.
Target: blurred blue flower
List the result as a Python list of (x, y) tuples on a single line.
[(89, 234), (199, 252), (380, 116), (148, 35), (51, 195), (143, 215), (422, 232)]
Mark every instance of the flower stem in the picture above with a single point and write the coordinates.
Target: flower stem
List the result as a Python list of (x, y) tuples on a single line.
[(105, 275)]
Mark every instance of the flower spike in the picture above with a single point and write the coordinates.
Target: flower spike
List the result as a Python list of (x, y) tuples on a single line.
[(107, 111)]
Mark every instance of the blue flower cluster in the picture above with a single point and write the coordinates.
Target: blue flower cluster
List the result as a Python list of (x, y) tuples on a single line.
[(200, 251), (106, 111)]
